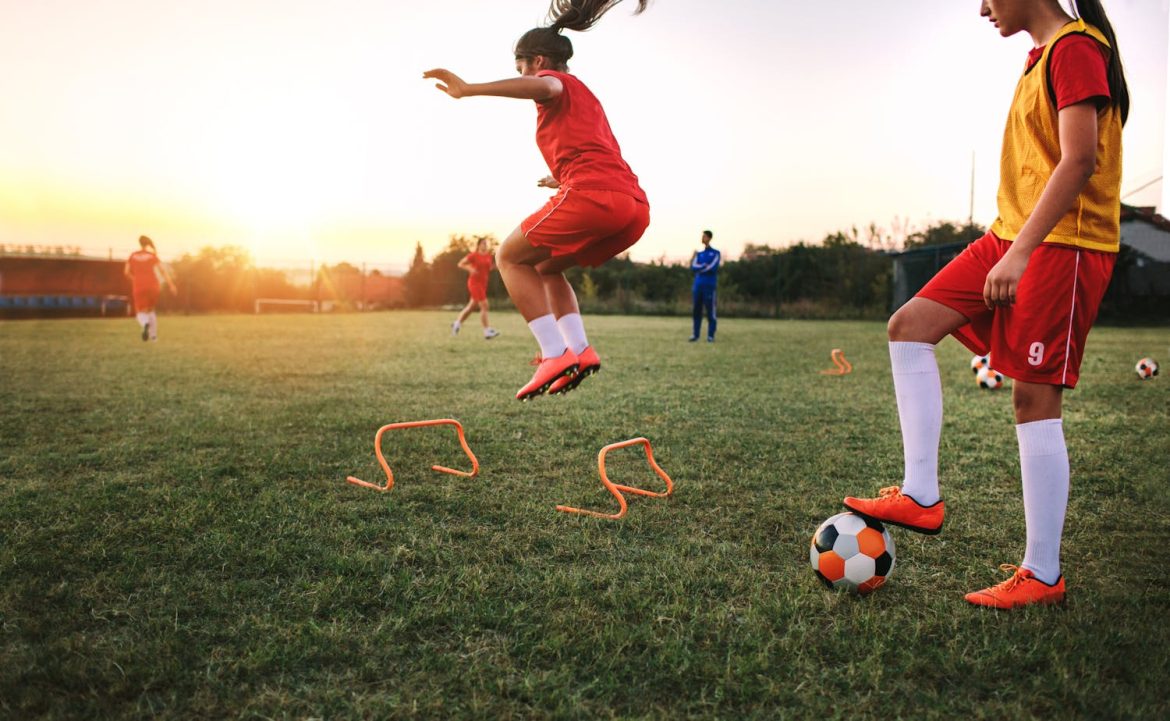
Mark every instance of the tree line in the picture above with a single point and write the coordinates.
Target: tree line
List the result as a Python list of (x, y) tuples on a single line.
[(847, 275)]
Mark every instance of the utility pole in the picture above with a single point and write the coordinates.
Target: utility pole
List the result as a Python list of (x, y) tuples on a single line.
[(971, 212), (1166, 137)]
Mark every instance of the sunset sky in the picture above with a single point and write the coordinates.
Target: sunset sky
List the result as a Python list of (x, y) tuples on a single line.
[(302, 130)]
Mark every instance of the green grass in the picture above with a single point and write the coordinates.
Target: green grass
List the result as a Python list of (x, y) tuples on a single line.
[(177, 539)]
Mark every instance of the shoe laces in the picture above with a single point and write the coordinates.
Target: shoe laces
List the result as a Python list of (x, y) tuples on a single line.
[(890, 492), (536, 361), (1015, 580)]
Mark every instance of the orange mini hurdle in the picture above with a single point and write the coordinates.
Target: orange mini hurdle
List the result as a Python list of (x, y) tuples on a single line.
[(616, 489), (842, 366), (417, 424)]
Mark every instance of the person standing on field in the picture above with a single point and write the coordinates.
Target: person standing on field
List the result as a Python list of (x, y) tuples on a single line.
[(1028, 291), (478, 264), (705, 266), (143, 269)]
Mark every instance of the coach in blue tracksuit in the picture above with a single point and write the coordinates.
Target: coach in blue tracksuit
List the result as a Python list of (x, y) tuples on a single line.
[(705, 266)]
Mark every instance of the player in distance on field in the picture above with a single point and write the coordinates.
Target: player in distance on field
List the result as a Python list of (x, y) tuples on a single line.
[(1028, 291), (143, 268), (478, 265), (598, 211)]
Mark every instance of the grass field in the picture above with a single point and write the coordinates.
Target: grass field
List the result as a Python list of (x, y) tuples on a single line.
[(177, 539)]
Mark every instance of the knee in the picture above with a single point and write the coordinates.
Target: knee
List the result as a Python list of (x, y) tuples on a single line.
[(1035, 401), (900, 324)]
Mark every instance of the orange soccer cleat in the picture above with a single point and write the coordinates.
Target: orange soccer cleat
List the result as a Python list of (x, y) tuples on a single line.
[(1022, 589), (548, 370), (588, 363), (893, 506)]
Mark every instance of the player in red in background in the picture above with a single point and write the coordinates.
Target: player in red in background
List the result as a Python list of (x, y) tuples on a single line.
[(478, 265), (599, 209), (1029, 290), (143, 268)]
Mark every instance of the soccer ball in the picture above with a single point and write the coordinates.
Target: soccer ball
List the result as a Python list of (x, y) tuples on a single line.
[(1146, 368), (980, 362), (989, 378), (852, 553)]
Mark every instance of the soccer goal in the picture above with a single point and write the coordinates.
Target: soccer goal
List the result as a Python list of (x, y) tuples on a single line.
[(286, 305)]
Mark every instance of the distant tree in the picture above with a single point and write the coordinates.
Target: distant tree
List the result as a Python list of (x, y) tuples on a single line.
[(944, 232), (418, 279)]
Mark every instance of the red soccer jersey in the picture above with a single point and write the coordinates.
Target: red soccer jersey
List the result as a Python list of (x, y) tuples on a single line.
[(481, 264), (1077, 70), (142, 265), (575, 139)]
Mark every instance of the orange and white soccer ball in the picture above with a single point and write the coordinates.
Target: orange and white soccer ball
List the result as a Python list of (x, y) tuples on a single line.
[(980, 362), (852, 553), (1146, 368), (989, 378)]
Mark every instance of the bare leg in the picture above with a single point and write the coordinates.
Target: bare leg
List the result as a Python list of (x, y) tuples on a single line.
[(561, 297), (924, 321), (483, 312), (1036, 401), (465, 312), (517, 260)]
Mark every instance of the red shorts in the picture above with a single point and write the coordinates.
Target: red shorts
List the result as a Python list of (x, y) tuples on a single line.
[(590, 225), (145, 298), (477, 289), (1041, 338)]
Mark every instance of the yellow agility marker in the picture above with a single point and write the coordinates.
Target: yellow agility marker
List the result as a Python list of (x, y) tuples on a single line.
[(417, 424), (615, 489), (843, 366)]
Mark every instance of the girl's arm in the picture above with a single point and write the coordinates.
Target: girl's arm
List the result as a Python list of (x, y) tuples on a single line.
[(465, 264), (166, 274), (529, 87), (1078, 160)]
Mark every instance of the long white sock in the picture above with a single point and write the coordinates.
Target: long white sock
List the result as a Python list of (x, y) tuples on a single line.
[(143, 318), (919, 393), (573, 331), (1045, 476), (153, 320), (548, 335)]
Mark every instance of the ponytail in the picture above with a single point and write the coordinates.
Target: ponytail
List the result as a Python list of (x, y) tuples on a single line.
[(579, 15), (146, 243), (1091, 12)]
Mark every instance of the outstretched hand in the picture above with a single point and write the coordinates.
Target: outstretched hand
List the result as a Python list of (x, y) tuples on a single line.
[(449, 82)]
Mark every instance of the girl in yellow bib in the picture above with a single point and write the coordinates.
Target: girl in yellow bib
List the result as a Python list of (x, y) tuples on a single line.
[(1029, 290)]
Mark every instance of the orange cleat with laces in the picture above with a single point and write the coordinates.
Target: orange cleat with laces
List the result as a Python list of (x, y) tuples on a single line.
[(548, 370), (1022, 589), (893, 506), (588, 363)]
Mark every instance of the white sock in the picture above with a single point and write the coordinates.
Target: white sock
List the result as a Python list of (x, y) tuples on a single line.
[(1045, 477), (143, 319), (153, 320), (456, 324), (548, 335), (573, 330), (919, 393)]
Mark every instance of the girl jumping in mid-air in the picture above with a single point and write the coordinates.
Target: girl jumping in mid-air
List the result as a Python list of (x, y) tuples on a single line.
[(478, 265), (142, 268), (599, 209), (1027, 291)]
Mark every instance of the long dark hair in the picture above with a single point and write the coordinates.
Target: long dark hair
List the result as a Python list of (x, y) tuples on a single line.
[(1091, 12), (146, 243), (579, 15)]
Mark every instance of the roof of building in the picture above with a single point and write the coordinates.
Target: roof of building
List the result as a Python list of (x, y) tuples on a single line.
[(1146, 232)]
